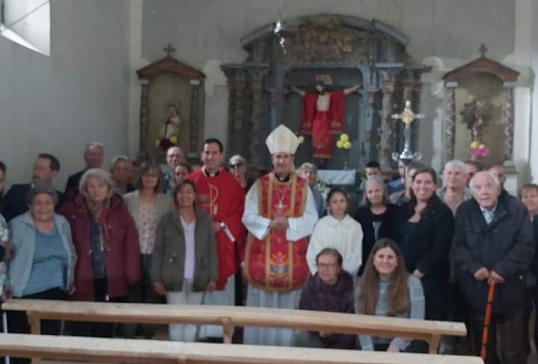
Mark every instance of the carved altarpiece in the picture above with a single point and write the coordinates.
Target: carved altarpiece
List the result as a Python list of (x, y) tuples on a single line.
[(165, 82), (348, 50), (490, 82)]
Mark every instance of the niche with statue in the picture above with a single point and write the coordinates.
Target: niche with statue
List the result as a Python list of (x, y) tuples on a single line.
[(479, 112)]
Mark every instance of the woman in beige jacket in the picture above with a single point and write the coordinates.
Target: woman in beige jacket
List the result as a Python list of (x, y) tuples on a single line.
[(147, 205)]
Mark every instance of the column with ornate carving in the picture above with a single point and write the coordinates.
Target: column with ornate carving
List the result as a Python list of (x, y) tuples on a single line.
[(386, 133), (257, 75), (450, 120), (239, 112), (144, 118), (236, 84), (194, 120), (508, 119)]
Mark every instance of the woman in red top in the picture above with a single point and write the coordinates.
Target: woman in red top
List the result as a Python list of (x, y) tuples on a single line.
[(106, 240)]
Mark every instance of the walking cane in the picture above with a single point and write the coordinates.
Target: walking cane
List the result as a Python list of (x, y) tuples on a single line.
[(487, 321)]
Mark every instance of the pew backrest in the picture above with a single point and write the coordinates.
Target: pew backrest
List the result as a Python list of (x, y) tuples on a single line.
[(230, 316)]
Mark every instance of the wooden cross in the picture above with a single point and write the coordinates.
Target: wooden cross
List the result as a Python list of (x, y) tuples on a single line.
[(483, 49), (169, 50)]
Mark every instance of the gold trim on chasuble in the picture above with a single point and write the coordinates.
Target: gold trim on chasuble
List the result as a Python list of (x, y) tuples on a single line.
[(266, 209)]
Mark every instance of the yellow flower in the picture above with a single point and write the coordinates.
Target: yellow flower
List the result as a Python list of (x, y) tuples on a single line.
[(173, 139), (347, 145), (301, 139), (344, 137), (475, 144), (339, 144)]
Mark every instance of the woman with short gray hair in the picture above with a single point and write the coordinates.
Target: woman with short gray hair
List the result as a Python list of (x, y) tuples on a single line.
[(375, 214), (106, 240), (44, 258)]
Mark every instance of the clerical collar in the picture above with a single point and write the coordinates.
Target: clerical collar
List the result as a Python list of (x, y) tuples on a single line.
[(208, 174), (285, 178)]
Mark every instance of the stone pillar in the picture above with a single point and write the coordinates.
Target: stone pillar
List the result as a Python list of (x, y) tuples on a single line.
[(450, 121), (236, 86), (257, 76), (194, 122), (508, 119), (385, 131), (144, 118)]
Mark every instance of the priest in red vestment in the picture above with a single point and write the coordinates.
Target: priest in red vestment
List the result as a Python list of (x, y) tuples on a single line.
[(323, 116), (223, 198)]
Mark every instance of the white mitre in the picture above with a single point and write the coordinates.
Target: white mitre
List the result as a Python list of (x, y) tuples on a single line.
[(282, 140)]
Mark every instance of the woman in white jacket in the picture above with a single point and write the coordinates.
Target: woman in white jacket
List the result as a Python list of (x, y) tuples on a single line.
[(337, 230)]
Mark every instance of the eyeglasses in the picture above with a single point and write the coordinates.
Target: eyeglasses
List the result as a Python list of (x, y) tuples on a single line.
[(326, 265), (237, 165)]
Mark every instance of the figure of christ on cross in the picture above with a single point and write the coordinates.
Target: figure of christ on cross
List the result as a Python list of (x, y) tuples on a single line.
[(323, 115)]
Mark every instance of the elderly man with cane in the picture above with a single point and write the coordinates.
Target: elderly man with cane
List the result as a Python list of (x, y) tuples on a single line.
[(493, 245)]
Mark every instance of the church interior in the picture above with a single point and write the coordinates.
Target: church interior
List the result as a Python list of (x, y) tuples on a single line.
[(439, 80), (240, 70)]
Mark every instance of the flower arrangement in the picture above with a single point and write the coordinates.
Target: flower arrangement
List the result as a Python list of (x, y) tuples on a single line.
[(165, 143), (477, 149), (344, 143)]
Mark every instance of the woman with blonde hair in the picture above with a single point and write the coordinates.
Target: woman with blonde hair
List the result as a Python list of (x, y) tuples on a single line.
[(386, 289), (106, 241)]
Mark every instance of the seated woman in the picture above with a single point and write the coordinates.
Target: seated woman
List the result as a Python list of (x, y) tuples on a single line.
[(386, 289), (330, 290), (337, 230), (44, 257), (184, 262), (106, 240), (375, 215)]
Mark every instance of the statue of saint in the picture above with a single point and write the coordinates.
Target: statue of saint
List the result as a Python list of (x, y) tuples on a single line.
[(323, 115), (169, 132)]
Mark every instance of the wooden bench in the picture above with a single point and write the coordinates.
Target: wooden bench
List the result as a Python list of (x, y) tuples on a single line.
[(153, 351), (230, 316)]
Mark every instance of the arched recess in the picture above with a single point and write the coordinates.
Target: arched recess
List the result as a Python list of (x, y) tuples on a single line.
[(349, 51)]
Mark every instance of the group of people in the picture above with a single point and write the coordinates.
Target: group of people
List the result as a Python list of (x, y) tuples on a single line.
[(143, 232)]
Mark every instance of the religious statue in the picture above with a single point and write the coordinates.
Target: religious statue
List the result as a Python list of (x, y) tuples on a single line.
[(474, 114), (170, 129), (323, 115)]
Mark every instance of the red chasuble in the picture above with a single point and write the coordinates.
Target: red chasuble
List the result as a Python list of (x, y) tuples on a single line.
[(223, 198), (275, 264), (322, 124)]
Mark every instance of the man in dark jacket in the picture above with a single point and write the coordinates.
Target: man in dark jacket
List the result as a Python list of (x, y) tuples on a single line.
[(493, 244), (93, 158), (46, 168)]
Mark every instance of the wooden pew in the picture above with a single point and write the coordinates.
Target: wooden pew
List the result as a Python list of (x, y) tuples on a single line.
[(153, 351), (230, 316)]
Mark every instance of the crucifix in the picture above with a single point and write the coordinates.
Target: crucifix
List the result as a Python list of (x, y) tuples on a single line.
[(169, 50)]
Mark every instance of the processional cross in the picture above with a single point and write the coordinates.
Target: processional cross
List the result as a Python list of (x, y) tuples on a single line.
[(408, 117)]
